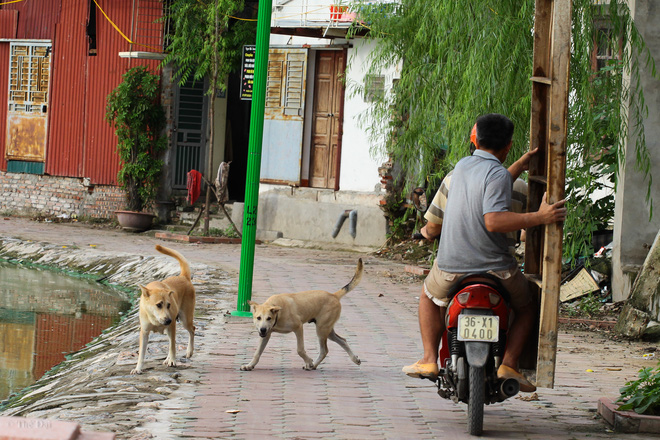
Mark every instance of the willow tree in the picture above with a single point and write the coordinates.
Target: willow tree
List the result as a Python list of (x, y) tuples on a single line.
[(206, 41), (462, 58)]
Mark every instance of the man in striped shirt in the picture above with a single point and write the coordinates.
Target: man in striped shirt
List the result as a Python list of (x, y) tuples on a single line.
[(436, 210), (477, 217)]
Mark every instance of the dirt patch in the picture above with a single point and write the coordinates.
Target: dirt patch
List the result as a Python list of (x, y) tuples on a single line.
[(418, 252)]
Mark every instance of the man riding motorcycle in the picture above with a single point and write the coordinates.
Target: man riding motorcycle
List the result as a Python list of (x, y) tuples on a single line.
[(477, 217)]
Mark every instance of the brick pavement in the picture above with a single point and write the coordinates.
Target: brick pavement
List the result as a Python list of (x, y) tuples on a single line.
[(341, 400)]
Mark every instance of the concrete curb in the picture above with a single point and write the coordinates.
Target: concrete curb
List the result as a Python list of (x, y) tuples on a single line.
[(199, 239), (627, 421)]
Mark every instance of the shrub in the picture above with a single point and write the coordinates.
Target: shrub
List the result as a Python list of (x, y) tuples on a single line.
[(642, 395), (135, 111)]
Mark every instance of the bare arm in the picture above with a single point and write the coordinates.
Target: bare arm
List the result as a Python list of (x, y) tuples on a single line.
[(522, 164), (510, 221), (431, 230)]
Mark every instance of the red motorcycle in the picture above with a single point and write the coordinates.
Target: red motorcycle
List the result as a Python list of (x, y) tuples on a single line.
[(473, 346)]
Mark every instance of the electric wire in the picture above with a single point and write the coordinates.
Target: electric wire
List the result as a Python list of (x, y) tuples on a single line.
[(120, 32), (13, 1)]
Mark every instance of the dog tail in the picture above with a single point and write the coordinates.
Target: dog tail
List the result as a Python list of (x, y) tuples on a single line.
[(354, 282), (185, 267)]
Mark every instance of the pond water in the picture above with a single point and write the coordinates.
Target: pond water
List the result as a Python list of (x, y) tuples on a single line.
[(45, 315)]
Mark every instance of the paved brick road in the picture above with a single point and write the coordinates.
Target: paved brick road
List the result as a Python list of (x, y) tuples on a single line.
[(341, 400)]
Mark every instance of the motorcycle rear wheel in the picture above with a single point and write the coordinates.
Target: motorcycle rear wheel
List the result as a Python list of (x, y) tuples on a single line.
[(476, 400)]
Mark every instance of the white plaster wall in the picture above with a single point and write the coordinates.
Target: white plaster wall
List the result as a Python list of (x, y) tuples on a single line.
[(359, 168), (633, 231), (284, 210)]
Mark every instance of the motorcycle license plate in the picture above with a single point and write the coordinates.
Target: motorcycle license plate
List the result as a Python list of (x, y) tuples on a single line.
[(478, 328)]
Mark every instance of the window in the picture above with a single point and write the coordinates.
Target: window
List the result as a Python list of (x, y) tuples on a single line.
[(274, 83), (284, 86), (604, 47), (29, 75), (374, 88)]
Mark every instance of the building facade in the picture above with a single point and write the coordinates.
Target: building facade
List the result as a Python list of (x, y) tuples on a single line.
[(58, 61)]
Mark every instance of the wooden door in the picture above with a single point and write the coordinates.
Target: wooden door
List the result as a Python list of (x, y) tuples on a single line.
[(27, 115), (327, 119)]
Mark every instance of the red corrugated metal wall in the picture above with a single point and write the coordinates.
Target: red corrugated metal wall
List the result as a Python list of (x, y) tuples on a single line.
[(80, 142), (36, 20), (4, 92), (8, 28), (64, 151), (8, 23), (103, 74)]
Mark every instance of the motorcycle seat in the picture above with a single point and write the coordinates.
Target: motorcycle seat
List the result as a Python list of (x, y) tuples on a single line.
[(479, 278)]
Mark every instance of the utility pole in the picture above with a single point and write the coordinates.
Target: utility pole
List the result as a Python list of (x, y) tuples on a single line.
[(254, 159)]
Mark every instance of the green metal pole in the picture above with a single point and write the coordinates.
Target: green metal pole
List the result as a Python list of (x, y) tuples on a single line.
[(254, 159)]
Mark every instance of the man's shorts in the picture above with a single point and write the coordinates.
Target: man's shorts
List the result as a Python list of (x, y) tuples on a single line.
[(438, 283)]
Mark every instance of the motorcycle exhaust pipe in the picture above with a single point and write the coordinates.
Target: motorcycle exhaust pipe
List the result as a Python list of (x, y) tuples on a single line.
[(509, 387)]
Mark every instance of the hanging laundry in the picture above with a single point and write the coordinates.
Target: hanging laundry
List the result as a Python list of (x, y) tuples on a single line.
[(194, 185)]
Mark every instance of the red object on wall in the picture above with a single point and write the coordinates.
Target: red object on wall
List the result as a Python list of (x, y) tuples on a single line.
[(194, 185)]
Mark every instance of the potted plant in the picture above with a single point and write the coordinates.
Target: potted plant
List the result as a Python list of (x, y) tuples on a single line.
[(134, 109)]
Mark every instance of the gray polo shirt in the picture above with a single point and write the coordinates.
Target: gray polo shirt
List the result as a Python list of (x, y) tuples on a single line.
[(479, 185)]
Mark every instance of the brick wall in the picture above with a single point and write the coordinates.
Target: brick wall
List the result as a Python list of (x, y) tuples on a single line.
[(48, 195)]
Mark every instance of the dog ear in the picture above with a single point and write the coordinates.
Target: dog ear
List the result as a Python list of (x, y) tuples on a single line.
[(145, 291), (275, 309), (253, 304), (170, 293)]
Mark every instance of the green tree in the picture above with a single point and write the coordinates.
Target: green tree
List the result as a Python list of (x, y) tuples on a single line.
[(138, 117), (463, 58), (206, 42)]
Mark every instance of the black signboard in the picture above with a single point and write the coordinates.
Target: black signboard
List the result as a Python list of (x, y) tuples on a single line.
[(247, 74)]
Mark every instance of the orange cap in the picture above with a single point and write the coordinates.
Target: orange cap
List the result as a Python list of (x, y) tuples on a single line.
[(473, 135)]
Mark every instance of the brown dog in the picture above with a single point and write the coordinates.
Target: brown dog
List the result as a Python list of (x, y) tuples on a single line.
[(161, 304), (287, 312)]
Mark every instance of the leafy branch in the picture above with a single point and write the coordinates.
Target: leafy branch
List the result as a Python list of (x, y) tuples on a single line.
[(459, 59)]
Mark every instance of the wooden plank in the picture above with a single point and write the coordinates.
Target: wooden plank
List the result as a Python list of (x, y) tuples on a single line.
[(538, 129), (556, 172), (541, 79), (538, 139), (538, 179)]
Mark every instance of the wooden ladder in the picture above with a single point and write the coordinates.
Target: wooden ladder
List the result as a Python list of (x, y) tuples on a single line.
[(547, 171)]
